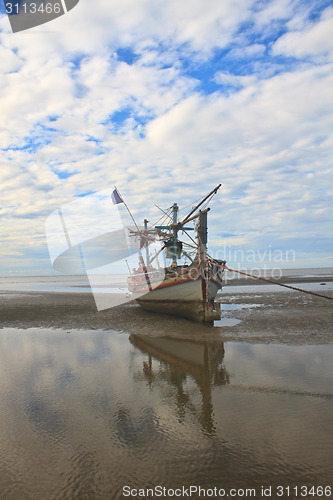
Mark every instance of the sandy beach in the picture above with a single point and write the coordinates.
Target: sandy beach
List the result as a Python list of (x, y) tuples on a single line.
[(280, 316)]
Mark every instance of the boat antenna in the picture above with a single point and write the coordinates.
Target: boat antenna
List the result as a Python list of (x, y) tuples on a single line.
[(214, 191)]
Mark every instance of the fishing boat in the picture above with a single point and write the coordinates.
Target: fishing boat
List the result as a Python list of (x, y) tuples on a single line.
[(184, 289)]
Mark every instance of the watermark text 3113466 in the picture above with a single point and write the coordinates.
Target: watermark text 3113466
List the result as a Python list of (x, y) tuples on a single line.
[(25, 14)]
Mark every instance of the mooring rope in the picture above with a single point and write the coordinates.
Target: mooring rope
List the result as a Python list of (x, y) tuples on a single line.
[(276, 283)]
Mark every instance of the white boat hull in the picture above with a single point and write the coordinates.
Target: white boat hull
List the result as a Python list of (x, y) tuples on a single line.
[(192, 299)]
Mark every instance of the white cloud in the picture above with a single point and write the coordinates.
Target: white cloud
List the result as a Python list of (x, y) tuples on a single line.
[(200, 26), (274, 10), (268, 142), (315, 40), (244, 52), (9, 61), (226, 78)]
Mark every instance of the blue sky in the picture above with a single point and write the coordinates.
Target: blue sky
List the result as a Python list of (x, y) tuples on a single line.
[(166, 100)]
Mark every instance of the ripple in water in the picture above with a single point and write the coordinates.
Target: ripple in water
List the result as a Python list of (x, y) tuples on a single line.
[(85, 413)]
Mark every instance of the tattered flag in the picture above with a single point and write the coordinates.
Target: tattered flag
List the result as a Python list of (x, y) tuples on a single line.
[(116, 198)]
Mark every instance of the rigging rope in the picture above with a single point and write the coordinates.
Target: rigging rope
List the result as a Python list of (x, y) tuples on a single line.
[(190, 205), (161, 221), (276, 283), (195, 202)]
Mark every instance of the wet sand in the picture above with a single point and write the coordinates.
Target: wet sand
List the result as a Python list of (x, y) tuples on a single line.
[(93, 401), (279, 317)]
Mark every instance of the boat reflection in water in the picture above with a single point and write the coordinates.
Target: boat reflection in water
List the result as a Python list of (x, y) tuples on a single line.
[(175, 362), (84, 413)]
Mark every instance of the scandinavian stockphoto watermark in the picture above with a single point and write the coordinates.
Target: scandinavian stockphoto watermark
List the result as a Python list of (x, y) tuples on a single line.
[(264, 491), (267, 256), (266, 263), (25, 14), (192, 491), (94, 235)]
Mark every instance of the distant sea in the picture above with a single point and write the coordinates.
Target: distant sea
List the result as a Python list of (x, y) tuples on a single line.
[(117, 282)]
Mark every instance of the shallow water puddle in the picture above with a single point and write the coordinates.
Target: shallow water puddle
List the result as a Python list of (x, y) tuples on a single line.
[(84, 413), (231, 307), (226, 322)]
